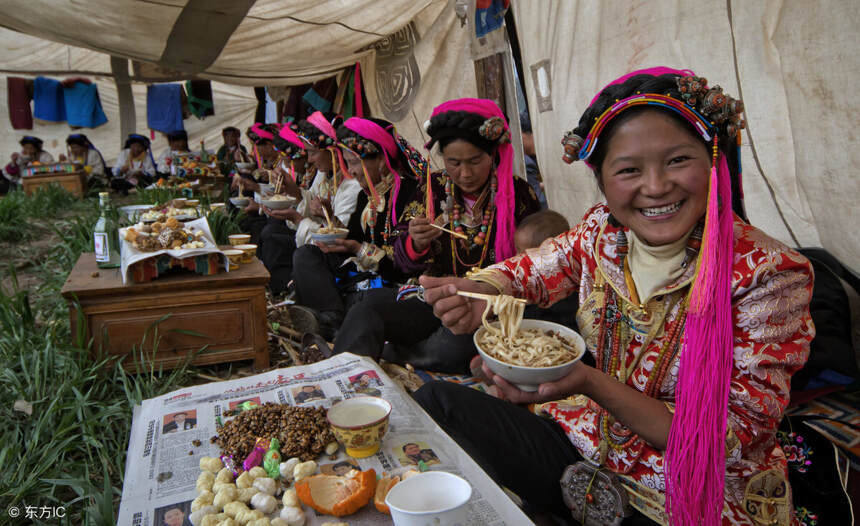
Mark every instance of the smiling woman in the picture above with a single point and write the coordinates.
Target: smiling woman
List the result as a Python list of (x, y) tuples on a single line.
[(696, 321)]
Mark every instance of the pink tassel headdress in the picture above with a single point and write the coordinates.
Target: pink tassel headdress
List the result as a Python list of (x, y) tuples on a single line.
[(374, 132), (287, 134), (322, 124), (505, 226), (695, 459)]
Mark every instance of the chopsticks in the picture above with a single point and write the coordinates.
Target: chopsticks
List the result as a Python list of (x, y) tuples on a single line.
[(455, 234), (485, 297)]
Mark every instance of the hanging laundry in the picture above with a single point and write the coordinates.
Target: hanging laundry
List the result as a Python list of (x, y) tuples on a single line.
[(49, 104), (489, 15), (354, 101), (199, 93), (294, 105), (164, 107), (260, 114), (83, 105), (19, 92), (321, 94)]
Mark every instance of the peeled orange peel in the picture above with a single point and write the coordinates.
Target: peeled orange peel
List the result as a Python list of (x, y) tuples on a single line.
[(337, 496), (382, 488)]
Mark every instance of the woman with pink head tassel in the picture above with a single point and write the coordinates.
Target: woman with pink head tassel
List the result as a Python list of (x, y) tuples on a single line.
[(695, 319)]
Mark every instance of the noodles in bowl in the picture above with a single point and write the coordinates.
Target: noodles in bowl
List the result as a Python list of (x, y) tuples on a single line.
[(328, 235), (526, 352)]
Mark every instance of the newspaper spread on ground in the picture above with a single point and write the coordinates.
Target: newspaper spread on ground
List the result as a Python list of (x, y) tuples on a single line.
[(131, 255), (163, 463)]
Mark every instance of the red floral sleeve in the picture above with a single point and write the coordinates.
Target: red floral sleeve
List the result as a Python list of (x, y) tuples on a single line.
[(773, 330), (552, 271)]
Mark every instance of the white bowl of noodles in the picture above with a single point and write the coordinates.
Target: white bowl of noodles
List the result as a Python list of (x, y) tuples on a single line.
[(550, 349), (329, 236)]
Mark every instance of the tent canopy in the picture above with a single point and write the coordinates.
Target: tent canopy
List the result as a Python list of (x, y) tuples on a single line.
[(791, 62), (254, 43)]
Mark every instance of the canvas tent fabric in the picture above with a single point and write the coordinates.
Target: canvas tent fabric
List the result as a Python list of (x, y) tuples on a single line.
[(405, 73), (264, 41), (792, 63)]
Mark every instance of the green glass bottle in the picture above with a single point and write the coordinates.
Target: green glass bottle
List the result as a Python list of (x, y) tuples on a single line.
[(106, 236)]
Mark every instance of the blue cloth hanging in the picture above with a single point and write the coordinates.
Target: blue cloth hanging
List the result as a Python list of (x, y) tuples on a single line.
[(164, 107), (489, 16), (49, 104), (83, 106)]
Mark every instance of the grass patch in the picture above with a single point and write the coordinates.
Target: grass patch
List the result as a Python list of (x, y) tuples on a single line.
[(71, 450), (18, 211)]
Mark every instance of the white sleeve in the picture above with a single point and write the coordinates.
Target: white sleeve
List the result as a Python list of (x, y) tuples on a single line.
[(94, 161), (310, 193), (345, 199), (120, 162), (46, 158), (147, 165), (162, 162)]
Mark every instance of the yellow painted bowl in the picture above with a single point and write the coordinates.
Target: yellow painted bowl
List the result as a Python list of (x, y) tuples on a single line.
[(235, 257), (239, 239), (248, 252), (359, 424)]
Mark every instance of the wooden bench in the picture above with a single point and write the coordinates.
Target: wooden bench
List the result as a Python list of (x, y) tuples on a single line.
[(227, 309), (75, 182)]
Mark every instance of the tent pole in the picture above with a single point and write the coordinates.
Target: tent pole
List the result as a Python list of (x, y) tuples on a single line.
[(127, 116)]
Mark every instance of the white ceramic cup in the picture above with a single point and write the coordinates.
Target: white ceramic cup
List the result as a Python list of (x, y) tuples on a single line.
[(433, 497)]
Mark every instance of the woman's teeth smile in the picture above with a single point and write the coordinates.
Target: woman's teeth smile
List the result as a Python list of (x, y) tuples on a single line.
[(661, 210)]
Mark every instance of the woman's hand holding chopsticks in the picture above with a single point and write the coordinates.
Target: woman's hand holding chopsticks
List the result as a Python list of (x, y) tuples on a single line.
[(422, 232)]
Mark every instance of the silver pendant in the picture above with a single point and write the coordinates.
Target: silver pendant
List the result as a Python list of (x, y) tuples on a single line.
[(595, 496)]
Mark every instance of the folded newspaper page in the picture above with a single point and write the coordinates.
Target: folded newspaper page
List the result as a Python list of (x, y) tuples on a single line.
[(163, 452), (131, 255)]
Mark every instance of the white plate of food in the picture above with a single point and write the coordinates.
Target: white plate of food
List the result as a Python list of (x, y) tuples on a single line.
[(134, 211)]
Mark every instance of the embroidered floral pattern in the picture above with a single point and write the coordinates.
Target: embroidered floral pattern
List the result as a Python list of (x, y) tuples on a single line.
[(797, 452)]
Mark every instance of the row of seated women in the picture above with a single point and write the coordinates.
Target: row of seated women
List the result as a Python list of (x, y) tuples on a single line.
[(694, 320), (135, 164)]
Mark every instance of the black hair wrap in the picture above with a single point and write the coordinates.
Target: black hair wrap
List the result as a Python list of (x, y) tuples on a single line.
[(450, 126)]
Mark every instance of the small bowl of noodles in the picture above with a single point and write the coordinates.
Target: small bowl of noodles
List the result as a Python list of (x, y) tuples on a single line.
[(527, 353), (279, 202), (328, 236)]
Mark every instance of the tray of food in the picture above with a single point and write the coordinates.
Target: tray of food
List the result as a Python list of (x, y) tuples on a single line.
[(172, 237)]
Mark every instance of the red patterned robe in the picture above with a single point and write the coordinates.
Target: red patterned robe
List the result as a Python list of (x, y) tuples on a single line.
[(771, 290)]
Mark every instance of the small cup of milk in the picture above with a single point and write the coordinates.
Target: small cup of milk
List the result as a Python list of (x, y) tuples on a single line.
[(359, 424)]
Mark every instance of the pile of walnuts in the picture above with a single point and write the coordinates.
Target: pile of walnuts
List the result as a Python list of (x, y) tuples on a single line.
[(303, 432)]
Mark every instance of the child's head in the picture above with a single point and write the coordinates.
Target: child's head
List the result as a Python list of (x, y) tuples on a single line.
[(534, 229)]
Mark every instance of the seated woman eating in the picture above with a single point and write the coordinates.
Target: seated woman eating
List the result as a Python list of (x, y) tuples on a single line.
[(31, 151), (232, 151), (331, 278), (696, 321), (134, 164), (332, 188), (278, 237), (478, 199), (266, 157), (81, 151), (177, 144)]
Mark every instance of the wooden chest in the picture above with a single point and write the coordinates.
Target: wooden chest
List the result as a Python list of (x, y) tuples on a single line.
[(184, 312), (75, 182)]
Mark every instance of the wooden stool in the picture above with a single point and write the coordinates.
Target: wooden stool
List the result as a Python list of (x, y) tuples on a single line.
[(227, 311)]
